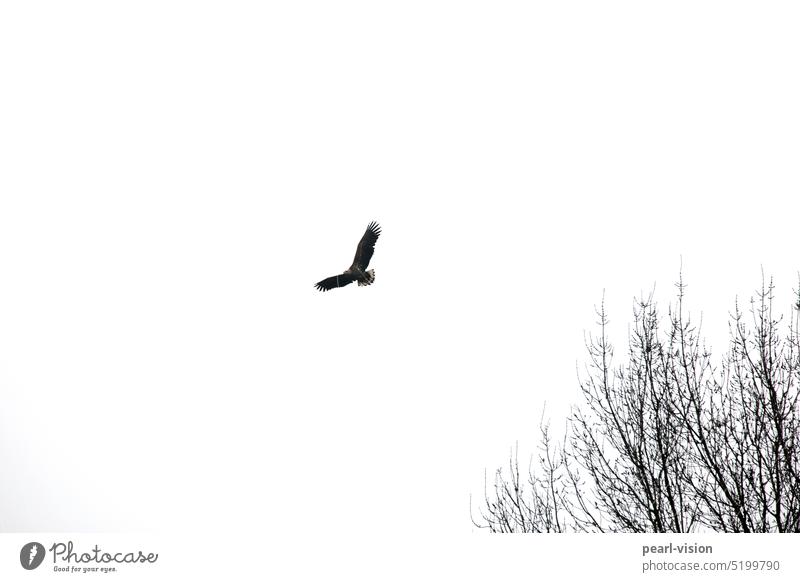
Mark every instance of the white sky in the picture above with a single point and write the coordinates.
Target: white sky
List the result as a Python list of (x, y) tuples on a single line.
[(176, 177)]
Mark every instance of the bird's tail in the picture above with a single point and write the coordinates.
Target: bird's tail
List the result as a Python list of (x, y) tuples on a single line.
[(370, 278)]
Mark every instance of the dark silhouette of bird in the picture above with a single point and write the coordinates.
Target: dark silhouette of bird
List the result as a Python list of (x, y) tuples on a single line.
[(358, 270)]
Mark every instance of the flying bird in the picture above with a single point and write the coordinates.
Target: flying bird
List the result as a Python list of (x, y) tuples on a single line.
[(358, 270)]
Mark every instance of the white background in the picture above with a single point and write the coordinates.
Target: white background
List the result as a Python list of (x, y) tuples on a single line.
[(175, 177)]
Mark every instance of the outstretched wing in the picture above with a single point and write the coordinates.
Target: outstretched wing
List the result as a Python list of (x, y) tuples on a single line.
[(335, 281), (367, 246)]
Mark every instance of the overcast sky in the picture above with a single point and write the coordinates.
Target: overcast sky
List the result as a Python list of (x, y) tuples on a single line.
[(177, 176)]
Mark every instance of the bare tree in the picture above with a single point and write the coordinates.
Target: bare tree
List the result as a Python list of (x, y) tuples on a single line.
[(666, 441), (744, 427), (530, 502)]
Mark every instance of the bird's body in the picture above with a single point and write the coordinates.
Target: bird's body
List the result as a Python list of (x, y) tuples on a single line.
[(358, 270), (363, 277)]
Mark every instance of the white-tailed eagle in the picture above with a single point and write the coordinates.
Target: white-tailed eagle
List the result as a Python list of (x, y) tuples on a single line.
[(358, 270)]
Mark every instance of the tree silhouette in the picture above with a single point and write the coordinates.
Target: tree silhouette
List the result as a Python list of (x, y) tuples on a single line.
[(668, 441)]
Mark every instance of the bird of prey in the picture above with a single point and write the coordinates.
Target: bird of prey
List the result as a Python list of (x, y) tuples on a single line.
[(358, 270)]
